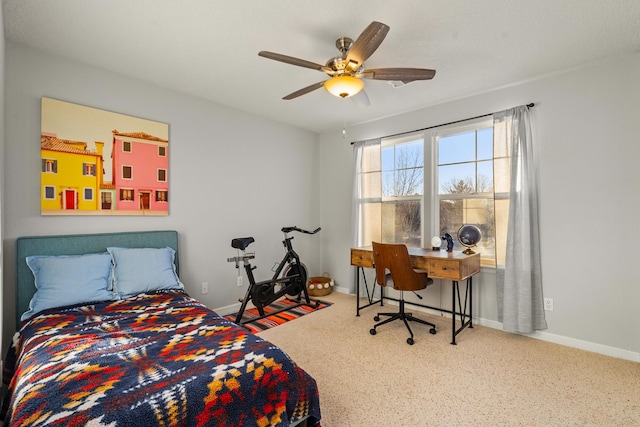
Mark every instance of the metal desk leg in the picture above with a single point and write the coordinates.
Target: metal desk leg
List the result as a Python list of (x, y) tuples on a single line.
[(465, 319), (454, 286), (469, 284), (370, 293), (357, 291)]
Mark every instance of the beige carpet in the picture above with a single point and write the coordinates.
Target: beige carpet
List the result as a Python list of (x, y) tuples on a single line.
[(491, 378)]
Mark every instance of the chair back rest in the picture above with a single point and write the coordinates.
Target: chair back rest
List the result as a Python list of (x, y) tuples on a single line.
[(394, 258)]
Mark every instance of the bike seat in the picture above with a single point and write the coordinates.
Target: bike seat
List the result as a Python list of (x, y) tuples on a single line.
[(242, 242)]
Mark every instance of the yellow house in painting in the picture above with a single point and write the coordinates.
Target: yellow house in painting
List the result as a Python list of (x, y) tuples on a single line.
[(71, 175)]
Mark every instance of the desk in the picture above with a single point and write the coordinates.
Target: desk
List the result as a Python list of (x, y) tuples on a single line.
[(454, 266)]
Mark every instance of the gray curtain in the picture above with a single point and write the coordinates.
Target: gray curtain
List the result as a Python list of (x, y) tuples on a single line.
[(366, 166), (519, 280)]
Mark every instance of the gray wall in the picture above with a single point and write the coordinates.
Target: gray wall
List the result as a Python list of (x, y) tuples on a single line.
[(231, 174), (2, 61), (586, 127)]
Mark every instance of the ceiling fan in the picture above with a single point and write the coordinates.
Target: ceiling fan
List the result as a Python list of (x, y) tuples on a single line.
[(347, 70)]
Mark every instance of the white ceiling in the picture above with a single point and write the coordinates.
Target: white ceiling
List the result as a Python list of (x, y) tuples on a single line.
[(209, 48)]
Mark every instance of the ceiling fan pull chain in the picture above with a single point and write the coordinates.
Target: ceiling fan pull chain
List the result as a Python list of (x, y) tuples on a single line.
[(344, 118)]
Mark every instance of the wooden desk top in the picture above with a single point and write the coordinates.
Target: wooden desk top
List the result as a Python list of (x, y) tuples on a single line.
[(439, 264)]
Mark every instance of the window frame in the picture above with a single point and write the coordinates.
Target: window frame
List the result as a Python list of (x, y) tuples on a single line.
[(491, 196), (431, 197), (124, 192), (88, 169), (88, 191), (52, 189), (395, 141), (130, 168), (49, 165)]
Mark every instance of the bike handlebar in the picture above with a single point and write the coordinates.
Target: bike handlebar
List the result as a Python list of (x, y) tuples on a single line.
[(294, 228)]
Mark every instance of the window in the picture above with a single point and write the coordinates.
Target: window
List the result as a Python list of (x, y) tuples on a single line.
[(162, 175), (465, 191), (392, 191), (162, 151), (127, 172), (88, 193), (49, 165), (49, 192), (402, 173), (89, 169), (126, 146), (162, 196), (403, 201), (126, 194)]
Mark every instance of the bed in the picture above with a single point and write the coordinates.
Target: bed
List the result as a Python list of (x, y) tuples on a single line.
[(140, 352)]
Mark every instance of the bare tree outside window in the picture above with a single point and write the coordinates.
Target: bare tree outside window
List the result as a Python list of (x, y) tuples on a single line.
[(402, 190), (466, 187)]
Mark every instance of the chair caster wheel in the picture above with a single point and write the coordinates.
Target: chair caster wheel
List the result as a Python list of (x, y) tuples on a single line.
[(410, 341), (372, 331), (376, 318), (432, 331)]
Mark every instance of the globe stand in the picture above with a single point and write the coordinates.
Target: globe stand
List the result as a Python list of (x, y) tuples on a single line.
[(468, 251)]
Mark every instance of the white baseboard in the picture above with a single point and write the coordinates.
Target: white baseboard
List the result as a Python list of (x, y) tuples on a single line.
[(571, 342), (228, 309), (343, 290), (546, 336)]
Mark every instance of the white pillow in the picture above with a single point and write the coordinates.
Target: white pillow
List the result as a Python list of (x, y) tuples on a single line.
[(138, 270)]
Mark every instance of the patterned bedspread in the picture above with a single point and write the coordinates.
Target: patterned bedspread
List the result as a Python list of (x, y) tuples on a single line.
[(158, 359)]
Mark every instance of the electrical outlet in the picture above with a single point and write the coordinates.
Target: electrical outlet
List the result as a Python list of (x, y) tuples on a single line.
[(239, 281), (205, 288), (548, 304)]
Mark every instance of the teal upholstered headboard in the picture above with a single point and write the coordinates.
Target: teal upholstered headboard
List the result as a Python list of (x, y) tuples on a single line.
[(77, 244)]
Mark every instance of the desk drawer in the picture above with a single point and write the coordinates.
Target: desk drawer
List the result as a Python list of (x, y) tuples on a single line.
[(444, 269), (362, 258)]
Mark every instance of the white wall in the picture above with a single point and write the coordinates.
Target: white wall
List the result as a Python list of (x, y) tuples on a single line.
[(231, 174), (2, 62), (586, 127)]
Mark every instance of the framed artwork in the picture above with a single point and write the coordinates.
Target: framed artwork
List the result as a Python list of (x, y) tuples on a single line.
[(96, 162)]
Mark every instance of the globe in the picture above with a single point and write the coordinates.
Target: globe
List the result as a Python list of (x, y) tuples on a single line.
[(469, 236)]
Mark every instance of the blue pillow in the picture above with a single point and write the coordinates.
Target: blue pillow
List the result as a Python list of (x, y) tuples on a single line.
[(69, 279), (138, 270)]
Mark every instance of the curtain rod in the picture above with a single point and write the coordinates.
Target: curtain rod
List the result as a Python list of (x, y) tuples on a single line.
[(443, 124)]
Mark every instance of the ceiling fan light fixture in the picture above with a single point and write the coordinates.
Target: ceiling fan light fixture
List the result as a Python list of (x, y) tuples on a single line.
[(343, 85)]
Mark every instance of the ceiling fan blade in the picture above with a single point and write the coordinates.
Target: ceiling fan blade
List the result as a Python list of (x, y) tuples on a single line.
[(294, 61), (366, 44), (401, 74), (304, 90), (361, 99)]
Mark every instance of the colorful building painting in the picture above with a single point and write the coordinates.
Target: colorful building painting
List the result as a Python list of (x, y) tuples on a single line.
[(126, 175)]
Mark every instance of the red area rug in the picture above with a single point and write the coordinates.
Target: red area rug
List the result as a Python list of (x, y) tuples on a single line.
[(277, 318)]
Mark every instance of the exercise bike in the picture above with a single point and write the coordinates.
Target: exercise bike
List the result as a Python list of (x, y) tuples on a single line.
[(289, 278)]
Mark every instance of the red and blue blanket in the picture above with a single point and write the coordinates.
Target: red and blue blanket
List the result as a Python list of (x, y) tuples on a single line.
[(156, 359)]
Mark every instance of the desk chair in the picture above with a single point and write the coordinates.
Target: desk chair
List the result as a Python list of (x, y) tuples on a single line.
[(394, 258)]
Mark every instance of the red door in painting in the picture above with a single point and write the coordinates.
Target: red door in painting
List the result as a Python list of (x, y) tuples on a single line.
[(69, 199), (144, 200)]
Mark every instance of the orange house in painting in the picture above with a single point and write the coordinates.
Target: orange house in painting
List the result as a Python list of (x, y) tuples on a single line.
[(140, 172)]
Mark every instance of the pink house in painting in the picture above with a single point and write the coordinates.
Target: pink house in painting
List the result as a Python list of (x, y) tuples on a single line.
[(140, 172)]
